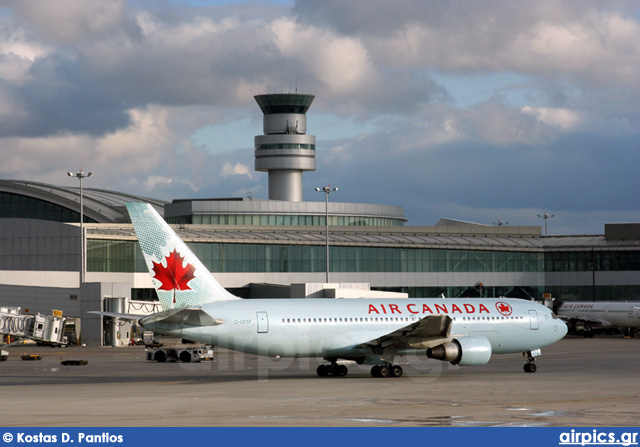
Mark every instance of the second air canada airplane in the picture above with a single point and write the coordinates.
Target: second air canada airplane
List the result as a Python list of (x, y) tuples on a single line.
[(379, 332)]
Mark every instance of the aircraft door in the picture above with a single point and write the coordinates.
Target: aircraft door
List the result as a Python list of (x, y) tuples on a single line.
[(533, 318), (263, 322)]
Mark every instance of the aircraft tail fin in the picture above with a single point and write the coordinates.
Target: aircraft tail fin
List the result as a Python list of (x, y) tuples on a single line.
[(179, 277)]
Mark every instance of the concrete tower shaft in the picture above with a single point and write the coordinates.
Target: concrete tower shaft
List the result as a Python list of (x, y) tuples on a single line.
[(285, 150)]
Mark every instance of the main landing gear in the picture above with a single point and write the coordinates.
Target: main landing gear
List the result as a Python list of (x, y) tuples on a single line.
[(529, 367), (386, 370), (587, 331), (336, 370), (333, 370)]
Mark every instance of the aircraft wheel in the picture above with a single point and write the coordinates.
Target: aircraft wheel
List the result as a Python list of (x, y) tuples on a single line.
[(375, 371), (322, 371), (385, 371), (396, 371), (530, 368), (342, 371)]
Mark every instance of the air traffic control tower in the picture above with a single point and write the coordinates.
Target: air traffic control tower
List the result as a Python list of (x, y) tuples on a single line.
[(285, 150)]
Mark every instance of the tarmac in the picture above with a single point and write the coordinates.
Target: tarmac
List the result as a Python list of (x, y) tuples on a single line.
[(579, 382)]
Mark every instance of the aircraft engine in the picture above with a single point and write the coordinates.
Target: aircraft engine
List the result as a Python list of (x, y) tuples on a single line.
[(465, 351)]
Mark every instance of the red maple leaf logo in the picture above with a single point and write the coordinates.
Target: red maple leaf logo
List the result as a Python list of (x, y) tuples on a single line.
[(504, 308), (174, 276)]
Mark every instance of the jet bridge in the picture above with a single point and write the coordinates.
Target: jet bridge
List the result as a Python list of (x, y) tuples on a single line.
[(40, 328)]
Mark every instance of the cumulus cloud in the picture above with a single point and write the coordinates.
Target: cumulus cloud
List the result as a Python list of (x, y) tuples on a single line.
[(582, 38), (68, 21), (155, 183), (340, 63), (228, 170), (595, 46), (556, 117)]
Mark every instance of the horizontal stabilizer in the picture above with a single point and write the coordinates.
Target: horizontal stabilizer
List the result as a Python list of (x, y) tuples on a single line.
[(132, 317), (186, 317)]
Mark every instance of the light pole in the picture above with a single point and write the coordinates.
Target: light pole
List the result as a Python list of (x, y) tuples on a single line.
[(327, 190), (81, 174), (546, 217)]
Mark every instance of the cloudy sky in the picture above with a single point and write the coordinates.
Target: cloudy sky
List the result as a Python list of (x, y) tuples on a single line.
[(479, 111)]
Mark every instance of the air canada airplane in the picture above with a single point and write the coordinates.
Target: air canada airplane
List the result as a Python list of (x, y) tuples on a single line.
[(585, 316), (378, 332)]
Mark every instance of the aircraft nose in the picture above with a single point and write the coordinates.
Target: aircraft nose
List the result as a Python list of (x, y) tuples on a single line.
[(562, 328)]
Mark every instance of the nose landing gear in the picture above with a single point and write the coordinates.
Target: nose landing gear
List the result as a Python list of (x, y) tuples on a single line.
[(530, 366)]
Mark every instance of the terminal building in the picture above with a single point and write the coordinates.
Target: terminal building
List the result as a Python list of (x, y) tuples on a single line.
[(276, 247)]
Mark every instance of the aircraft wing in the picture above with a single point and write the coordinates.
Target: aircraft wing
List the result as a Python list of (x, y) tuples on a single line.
[(426, 332), (587, 319)]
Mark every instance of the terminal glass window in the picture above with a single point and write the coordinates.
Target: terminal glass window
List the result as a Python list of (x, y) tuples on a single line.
[(19, 206), (283, 219), (126, 256), (587, 261)]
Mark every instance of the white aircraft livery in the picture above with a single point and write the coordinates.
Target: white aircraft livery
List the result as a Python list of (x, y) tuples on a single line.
[(584, 316), (378, 332)]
